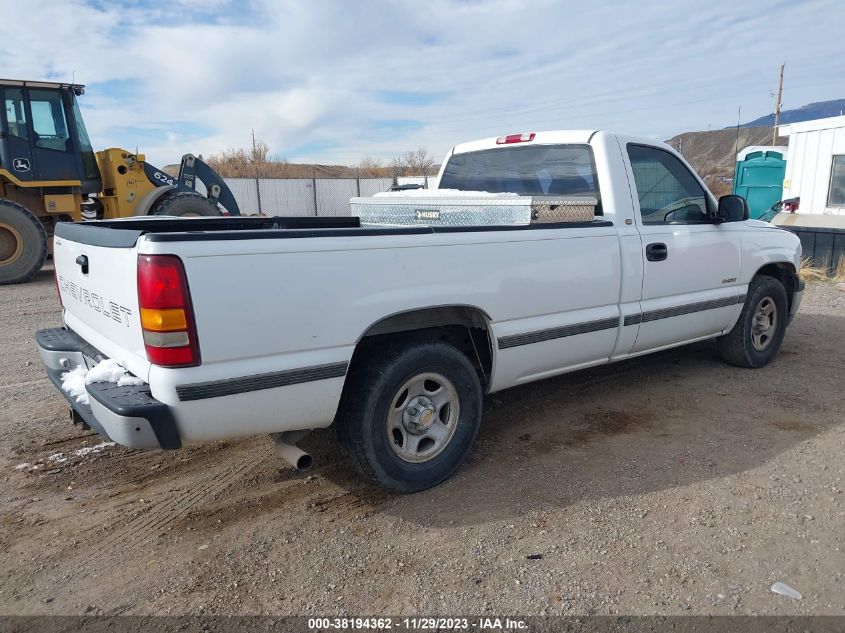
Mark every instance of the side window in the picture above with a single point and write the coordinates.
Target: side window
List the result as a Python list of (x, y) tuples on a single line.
[(48, 120), (667, 191), (16, 113), (836, 195)]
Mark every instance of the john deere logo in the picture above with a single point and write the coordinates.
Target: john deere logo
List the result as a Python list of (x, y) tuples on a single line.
[(20, 164)]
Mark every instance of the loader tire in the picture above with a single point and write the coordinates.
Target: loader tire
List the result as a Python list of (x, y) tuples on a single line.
[(186, 204), (23, 243)]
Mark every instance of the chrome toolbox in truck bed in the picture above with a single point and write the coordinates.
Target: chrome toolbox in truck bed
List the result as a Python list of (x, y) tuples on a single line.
[(419, 210)]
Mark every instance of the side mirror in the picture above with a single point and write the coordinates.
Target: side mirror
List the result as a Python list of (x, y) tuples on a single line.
[(731, 209)]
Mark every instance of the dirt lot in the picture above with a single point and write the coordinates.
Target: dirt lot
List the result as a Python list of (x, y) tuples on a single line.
[(668, 484)]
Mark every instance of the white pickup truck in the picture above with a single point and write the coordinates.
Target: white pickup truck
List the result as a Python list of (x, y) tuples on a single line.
[(242, 326)]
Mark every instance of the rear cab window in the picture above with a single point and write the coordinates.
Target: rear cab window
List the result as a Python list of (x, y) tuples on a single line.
[(539, 170)]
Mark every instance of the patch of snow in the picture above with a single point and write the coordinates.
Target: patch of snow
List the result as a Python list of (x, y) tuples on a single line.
[(129, 379), (442, 193), (58, 458), (107, 370), (88, 450), (63, 458), (73, 383)]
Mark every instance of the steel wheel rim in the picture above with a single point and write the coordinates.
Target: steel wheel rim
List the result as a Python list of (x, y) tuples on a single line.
[(11, 244), (764, 324), (423, 417)]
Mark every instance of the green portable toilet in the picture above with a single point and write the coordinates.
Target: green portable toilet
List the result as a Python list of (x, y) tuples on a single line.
[(758, 176)]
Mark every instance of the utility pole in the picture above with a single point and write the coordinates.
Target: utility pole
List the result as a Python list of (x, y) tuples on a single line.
[(777, 105), (255, 173), (738, 119)]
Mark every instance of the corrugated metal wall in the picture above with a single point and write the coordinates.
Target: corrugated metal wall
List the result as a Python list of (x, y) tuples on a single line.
[(302, 196), (808, 167)]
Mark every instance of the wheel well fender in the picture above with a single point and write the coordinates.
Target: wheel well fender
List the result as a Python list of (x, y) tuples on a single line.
[(785, 273), (465, 327)]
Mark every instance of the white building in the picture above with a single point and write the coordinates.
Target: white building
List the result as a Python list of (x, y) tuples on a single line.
[(815, 165)]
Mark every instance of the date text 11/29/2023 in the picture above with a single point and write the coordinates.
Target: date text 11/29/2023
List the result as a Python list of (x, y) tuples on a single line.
[(416, 624)]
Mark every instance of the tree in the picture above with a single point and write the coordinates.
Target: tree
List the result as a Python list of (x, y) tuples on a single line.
[(242, 163), (413, 163), (369, 167)]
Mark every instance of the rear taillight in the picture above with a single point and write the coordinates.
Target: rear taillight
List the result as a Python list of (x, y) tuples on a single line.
[(515, 138), (167, 317), (791, 205)]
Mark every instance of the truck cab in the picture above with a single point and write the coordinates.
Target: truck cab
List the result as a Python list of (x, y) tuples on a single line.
[(43, 136)]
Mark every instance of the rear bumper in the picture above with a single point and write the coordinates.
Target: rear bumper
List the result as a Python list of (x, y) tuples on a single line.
[(128, 415)]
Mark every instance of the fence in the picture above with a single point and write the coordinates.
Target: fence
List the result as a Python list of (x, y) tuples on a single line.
[(303, 196)]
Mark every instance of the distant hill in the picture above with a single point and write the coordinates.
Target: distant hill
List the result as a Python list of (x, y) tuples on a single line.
[(818, 110), (713, 153), (284, 169)]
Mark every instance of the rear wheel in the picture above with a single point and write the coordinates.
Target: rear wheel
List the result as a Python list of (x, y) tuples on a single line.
[(409, 414), (186, 204), (23, 243), (756, 338)]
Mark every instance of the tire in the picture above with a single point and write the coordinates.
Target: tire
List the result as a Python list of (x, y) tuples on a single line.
[(746, 345), (398, 446), (23, 243), (185, 204)]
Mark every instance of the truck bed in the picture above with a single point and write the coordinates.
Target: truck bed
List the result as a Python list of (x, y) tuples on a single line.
[(125, 233)]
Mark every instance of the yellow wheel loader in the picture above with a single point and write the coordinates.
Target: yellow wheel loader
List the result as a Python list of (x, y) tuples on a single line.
[(50, 173)]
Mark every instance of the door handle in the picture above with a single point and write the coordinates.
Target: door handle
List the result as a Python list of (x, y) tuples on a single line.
[(82, 260), (656, 252)]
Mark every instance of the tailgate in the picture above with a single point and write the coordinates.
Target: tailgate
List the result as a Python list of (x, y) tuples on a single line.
[(96, 270)]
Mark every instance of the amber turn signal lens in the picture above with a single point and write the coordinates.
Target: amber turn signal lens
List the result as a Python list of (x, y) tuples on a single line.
[(163, 320)]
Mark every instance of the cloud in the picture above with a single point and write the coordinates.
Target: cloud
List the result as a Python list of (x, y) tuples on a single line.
[(409, 98), (332, 81)]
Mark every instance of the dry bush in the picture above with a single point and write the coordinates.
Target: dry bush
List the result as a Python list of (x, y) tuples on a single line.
[(811, 272), (839, 273), (241, 163), (823, 272), (369, 167), (416, 163), (256, 162)]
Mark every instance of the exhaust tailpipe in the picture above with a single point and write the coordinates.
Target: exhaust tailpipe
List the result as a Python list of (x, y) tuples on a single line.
[(288, 451)]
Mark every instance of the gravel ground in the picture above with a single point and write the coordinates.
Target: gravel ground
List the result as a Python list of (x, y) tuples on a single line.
[(671, 484)]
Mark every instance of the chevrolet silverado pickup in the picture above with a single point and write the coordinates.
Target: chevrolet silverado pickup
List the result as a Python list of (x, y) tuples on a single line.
[(580, 248)]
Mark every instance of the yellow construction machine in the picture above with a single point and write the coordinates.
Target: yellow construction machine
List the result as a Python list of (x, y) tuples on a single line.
[(50, 173)]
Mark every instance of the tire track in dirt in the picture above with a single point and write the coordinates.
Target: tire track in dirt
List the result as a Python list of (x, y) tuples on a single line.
[(364, 501), (160, 515)]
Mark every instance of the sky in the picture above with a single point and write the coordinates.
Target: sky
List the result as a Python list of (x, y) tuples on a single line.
[(334, 81)]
